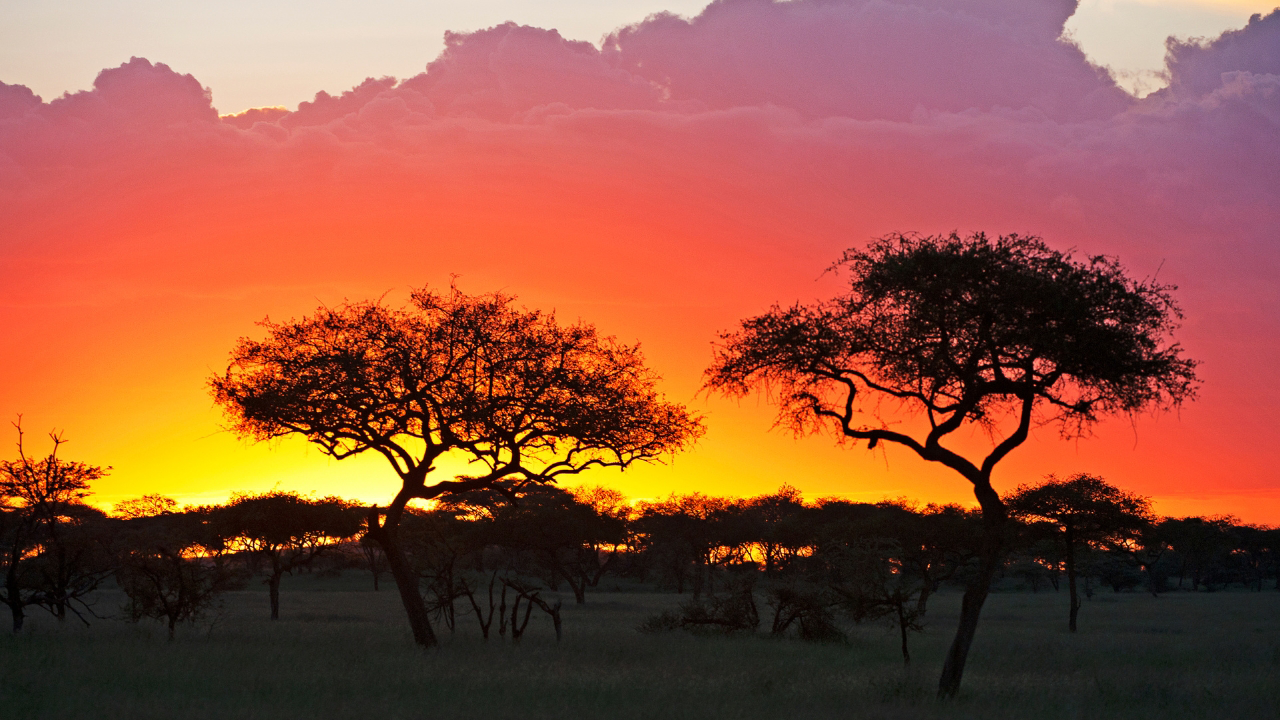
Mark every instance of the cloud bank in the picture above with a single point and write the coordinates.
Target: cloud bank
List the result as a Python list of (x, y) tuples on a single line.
[(688, 172)]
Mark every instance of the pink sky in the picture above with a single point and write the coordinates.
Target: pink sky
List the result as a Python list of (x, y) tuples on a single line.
[(685, 174)]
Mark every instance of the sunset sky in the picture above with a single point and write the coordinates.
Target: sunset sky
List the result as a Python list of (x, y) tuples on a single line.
[(661, 176)]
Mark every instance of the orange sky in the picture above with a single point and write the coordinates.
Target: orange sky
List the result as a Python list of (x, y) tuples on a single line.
[(143, 234)]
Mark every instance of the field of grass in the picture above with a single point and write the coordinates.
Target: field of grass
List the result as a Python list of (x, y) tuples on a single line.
[(343, 651)]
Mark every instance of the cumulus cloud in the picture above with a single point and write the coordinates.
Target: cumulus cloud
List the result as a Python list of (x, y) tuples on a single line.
[(688, 172), (1196, 66), (871, 59)]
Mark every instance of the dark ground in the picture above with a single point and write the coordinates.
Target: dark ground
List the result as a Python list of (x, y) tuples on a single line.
[(343, 651)]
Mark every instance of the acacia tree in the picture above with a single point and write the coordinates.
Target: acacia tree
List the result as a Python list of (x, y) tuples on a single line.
[(997, 333), (520, 397), (288, 530), (42, 500), (1087, 510), (173, 565)]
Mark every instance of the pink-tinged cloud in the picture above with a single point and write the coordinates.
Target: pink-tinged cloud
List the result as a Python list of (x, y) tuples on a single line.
[(687, 174)]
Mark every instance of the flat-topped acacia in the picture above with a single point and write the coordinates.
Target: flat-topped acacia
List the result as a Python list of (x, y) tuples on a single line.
[(998, 333), (512, 392)]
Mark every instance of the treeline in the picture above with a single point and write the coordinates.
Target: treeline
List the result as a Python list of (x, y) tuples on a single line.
[(774, 560)]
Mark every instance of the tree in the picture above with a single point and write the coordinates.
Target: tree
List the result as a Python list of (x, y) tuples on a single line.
[(374, 558), (39, 499), (931, 543), (1201, 543), (687, 537), (173, 566), (74, 557), (562, 536), (993, 333), (777, 523), (873, 586), (288, 530), (145, 506), (1088, 511), (510, 391)]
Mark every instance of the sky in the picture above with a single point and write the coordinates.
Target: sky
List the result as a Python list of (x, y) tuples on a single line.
[(659, 175)]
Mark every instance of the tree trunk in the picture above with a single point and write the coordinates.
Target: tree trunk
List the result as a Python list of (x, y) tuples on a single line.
[(994, 516), (273, 588), (19, 616), (579, 588), (407, 583), (970, 610), (922, 602), (902, 628), (384, 533), (1071, 577)]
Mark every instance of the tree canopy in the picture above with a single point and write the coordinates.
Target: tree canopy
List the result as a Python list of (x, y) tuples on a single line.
[(1087, 509), (517, 395), (522, 395), (964, 331), (997, 333)]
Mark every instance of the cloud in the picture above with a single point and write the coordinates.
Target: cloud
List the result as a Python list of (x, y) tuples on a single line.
[(1196, 66), (871, 59), (689, 172)]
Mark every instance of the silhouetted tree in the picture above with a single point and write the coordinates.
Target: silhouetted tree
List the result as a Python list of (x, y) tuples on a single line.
[(145, 506), (931, 543), (1201, 544), (688, 537), (603, 534), (374, 558), (808, 606), (562, 536), (287, 530), (173, 566), (49, 558), (776, 523), (992, 333), (1258, 546), (1087, 510), (512, 391), (75, 557), (872, 586)]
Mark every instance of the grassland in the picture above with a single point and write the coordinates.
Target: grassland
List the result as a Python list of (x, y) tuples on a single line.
[(343, 651)]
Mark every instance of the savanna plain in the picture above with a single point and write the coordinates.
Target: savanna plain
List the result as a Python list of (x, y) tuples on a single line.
[(343, 650)]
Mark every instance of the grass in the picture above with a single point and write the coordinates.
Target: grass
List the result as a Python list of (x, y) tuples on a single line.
[(341, 651)]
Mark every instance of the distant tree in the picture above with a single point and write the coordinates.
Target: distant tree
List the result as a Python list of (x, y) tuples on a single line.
[(74, 558), (1258, 545), (872, 586), (520, 396), (1202, 545), (1088, 511), (564, 536), (686, 538), (931, 543), (374, 558), (442, 544), (991, 333), (287, 530), (173, 567), (145, 506), (777, 526), (47, 562), (607, 532), (1036, 554)]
